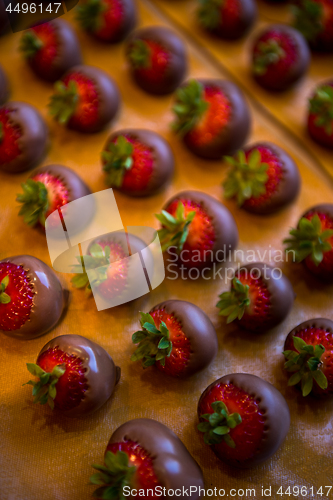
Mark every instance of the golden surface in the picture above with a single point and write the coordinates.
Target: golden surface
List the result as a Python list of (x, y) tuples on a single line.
[(46, 456)]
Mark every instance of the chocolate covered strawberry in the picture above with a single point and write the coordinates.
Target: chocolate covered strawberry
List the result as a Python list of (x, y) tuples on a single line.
[(146, 456), (107, 20), (23, 137), (4, 87), (73, 375), (32, 299), (262, 178), (280, 57), (86, 99), (308, 351), (243, 418), (196, 228), (314, 19), (320, 117), (227, 19), (260, 298), (51, 49), (312, 241), (137, 162), (212, 117), (177, 337), (157, 59), (48, 189)]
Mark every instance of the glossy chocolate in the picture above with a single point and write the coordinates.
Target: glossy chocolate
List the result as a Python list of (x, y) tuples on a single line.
[(177, 65), (275, 410), (198, 329), (297, 69), (33, 141), (164, 161), (101, 373), (172, 463), (48, 302), (4, 86)]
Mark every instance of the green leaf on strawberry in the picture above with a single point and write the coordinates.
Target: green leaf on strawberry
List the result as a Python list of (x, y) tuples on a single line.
[(217, 425), (309, 240), (246, 178), (64, 101), (269, 52), (321, 105), (4, 297), (210, 13), (117, 160), (234, 303), (308, 18), (35, 202), (30, 44), (305, 365), (140, 54), (154, 344), (89, 14), (174, 230), (44, 390), (113, 476), (97, 263), (190, 106)]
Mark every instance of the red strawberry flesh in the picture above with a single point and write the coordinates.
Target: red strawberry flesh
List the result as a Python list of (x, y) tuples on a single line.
[(230, 13), (86, 112), (326, 265), (111, 19), (58, 194), (258, 310), (45, 56), (158, 62), (9, 137), (117, 277)]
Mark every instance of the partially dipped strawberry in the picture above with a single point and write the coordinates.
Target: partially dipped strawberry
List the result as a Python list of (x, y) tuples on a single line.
[(157, 59), (23, 137), (86, 99), (262, 178), (314, 19), (74, 375), (51, 49), (320, 117), (197, 229), (243, 418), (4, 86), (280, 57), (260, 297), (48, 189), (137, 162), (312, 241), (32, 299), (177, 337), (144, 454), (212, 117), (107, 20), (308, 351), (227, 19)]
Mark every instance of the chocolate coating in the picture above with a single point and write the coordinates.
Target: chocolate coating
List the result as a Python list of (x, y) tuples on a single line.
[(4, 86), (48, 301), (172, 463), (164, 162), (234, 133), (177, 64), (128, 21), (199, 330), (33, 141), (297, 69), (275, 410)]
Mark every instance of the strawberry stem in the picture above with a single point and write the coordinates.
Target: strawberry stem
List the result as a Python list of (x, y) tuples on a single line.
[(44, 391), (210, 13), (321, 104), (174, 230), (35, 202), (118, 159), (64, 101), (217, 425), (89, 15), (233, 304), (190, 106), (113, 476), (269, 53), (308, 17), (30, 44), (154, 345), (140, 54), (4, 297), (97, 263)]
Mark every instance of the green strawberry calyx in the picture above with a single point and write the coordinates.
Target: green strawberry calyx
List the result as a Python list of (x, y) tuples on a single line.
[(175, 229), (309, 240), (217, 425), (154, 344), (35, 202), (305, 365), (269, 52), (246, 178), (64, 101), (4, 297), (117, 160), (112, 477), (189, 108), (30, 44), (321, 105), (140, 54), (233, 304), (97, 262), (44, 390), (210, 13), (89, 14), (308, 18)]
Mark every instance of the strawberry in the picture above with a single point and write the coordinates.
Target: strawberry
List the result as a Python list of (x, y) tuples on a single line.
[(227, 19), (137, 162), (31, 297), (320, 118), (86, 99), (157, 59), (51, 49), (74, 375), (312, 241), (314, 19), (260, 298), (177, 337), (23, 137), (198, 228), (243, 418), (262, 178), (4, 87), (107, 20), (212, 117), (280, 57)]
